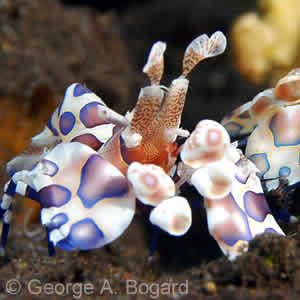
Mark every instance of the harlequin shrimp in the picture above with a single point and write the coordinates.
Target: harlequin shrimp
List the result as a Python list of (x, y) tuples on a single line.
[(272, 118), (235, 205), (89, 165)]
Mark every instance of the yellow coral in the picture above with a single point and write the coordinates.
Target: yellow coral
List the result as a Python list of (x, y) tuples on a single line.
[(269, 41)]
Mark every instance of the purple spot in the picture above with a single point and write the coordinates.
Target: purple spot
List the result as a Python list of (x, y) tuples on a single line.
[(234, 229), (58, 220), (66, 122), (50, 126), (51, 167), (284, 172), (85, 235), (54, 195), (88, 139), (256, 206), (230, 233), (89, 115), (99, 180), (80, 90)]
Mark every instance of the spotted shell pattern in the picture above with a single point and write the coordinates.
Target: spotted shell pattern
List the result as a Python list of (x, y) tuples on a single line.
[(69, 183), (236, 208), (277, 153), (78, 113), (89, 164), (274, 144)]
